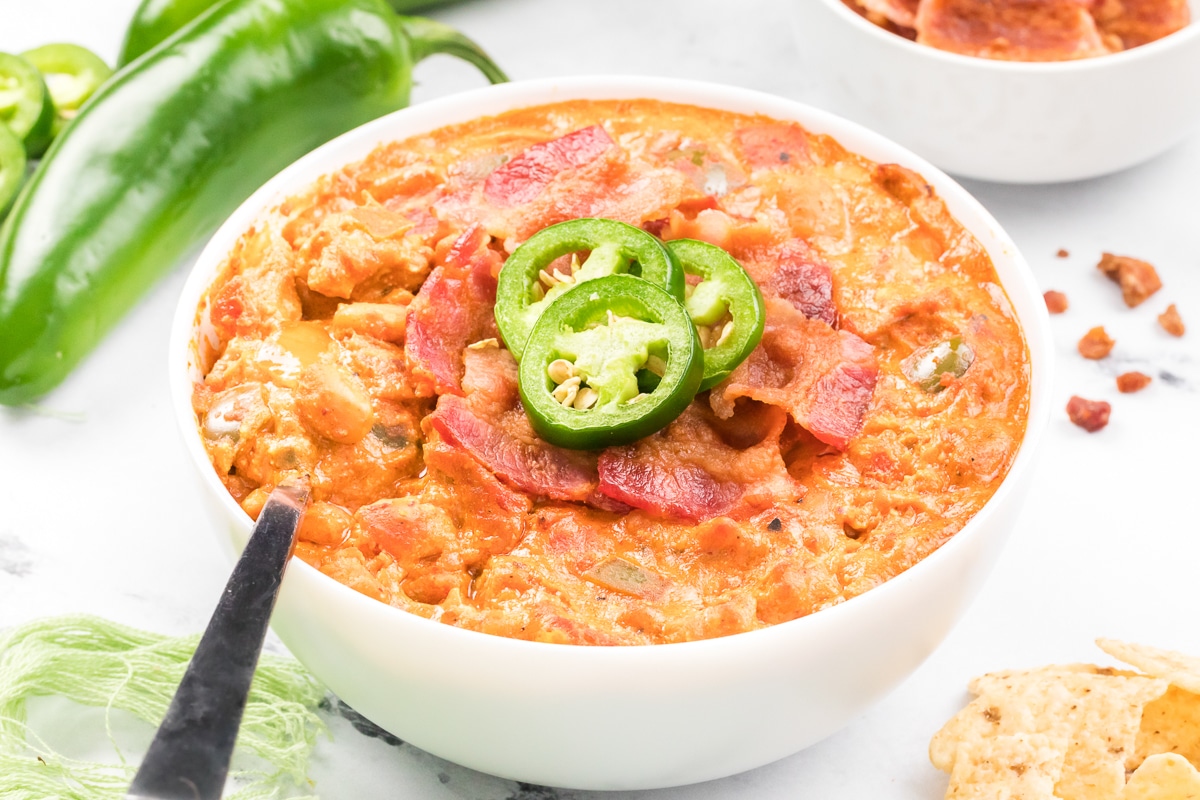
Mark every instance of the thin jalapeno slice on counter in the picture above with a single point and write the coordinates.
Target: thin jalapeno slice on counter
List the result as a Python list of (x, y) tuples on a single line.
[(12, 168), (925, 367), (528, 284), (25, 105), (72, 74), (578, 379), (726, 307)]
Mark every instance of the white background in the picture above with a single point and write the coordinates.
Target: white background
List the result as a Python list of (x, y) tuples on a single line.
[(98, 514)]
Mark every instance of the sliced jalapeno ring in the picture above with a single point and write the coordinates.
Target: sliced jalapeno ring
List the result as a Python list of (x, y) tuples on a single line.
[(578, 379), (526, 289), (25, 105), (72, 74), (925, 367), (12, 168), (726, 307)]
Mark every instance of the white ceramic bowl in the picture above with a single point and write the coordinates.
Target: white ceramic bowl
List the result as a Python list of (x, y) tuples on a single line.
[(621, 717), (1000, 120)]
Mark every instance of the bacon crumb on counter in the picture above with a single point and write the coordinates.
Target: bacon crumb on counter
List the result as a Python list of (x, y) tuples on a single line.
[(1137, 279), (1056, 302), (1130, 382), (1091, 415), (1171, 322), (1096, 343)]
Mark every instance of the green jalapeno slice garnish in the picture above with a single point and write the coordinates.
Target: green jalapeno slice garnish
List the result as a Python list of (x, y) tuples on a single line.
[(578, 377), (528, 286), (25, 105), (12, 168), (925, 367), (72, 74), (726, 307)]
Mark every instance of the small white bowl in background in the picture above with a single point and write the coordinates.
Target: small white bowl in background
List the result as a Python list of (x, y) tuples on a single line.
[(1012, 122), (621, 717)]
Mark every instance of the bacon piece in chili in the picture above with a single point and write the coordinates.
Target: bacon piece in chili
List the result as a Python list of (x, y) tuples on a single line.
[(1130, 382), (824, 378), (1171, 322), (1056, 302), (688, 471), (804, 280), (526, 463), (773, 144), (1091, 415), (1138, 279), (526, 175), (452, 310), (1096, 343)]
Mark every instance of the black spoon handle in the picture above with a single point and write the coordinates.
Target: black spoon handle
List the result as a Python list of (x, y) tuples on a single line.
[(189, 756)]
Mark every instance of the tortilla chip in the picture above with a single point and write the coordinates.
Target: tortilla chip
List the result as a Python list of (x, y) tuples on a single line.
[(1018, 767), (1164, 777), (1094, 712), (1170, 724), (1179, 669)]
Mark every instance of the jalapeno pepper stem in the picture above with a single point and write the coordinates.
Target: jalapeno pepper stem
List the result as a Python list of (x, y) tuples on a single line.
[(430, 38)]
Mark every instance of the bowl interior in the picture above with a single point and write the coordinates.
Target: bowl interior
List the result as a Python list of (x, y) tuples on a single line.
[(1014, 274), (1181, 38)]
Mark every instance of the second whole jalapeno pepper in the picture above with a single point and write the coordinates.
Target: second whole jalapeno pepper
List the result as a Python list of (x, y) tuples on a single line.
[(528, 284), (170, 146), (578, 378), (726, 306)]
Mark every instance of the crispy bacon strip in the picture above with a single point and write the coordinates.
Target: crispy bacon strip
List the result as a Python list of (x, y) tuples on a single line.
[(532, 466), (1013, 30), (525, 176), (805, 281), (1138, 22), (824, 378), (681, 491), (452, 310), (691, 471)]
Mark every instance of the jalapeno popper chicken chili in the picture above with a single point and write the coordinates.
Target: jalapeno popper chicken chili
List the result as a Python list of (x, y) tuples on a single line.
[(354, 340)]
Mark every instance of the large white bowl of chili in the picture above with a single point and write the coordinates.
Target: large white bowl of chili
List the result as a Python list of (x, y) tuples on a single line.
[(632, 716)]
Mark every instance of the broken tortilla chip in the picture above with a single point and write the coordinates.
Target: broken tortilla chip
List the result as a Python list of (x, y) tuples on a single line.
[(1170, 724), (1024, 766), (1164, 777), (1093, 712), (1177, 668)]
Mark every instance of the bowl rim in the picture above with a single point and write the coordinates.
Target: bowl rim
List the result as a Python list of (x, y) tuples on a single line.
[(463, 106), (1169, 42)]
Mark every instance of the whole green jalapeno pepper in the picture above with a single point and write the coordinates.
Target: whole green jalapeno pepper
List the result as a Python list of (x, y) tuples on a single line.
[(726, 306), (526, 287), (578, 378), (155, 20), (169, 146)]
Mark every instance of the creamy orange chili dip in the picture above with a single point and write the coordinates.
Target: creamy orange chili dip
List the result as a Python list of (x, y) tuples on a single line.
[(355, 345)]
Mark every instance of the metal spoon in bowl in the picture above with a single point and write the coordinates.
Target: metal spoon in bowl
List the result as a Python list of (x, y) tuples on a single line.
[(189, 756)]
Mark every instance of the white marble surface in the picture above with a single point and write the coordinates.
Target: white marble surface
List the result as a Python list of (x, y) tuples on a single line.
[(97, 512)]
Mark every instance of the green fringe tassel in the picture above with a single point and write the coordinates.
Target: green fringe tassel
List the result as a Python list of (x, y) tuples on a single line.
[(95, 662)]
